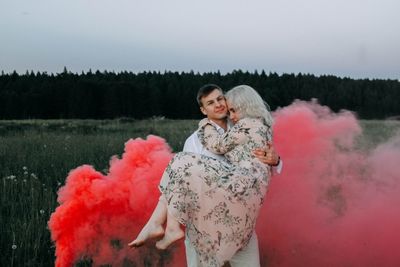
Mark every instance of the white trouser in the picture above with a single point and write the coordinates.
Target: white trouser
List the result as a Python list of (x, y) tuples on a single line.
[(247, 256)]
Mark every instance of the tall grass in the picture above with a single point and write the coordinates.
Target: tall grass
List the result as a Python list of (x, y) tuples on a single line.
[(36, 156)]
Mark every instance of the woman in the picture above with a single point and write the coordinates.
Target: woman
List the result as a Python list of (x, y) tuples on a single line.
[(217, 201)]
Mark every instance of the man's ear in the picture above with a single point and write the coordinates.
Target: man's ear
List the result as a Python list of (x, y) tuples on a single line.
[(203, 110)]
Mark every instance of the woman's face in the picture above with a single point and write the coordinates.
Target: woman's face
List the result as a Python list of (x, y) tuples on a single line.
[(234, 114)]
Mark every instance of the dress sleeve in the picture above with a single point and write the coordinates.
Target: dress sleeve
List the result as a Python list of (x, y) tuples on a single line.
[(222, 143)]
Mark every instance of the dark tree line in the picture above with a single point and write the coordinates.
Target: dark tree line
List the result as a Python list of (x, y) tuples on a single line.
[(100, 95)]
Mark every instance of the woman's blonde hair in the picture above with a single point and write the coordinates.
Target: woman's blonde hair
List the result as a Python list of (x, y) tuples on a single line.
[(249, 103)]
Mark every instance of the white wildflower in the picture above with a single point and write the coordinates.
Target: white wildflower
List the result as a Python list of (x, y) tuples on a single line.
[(11, 177), (14, 246)]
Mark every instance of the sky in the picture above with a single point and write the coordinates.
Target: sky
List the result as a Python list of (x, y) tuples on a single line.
[(347, 38)]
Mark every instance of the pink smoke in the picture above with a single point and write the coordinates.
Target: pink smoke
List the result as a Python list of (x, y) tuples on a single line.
[(99, 214), (333, 205)]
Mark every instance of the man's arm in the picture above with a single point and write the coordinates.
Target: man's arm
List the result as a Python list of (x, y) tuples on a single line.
[(268, 155)]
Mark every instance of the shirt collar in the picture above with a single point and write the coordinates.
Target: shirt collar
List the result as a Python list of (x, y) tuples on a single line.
[(219, 129)]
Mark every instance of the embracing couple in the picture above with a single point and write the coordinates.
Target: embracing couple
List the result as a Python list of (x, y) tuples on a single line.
[(216, 186)]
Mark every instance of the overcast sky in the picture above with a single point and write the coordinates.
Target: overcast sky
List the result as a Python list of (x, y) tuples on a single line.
[(347, 38)]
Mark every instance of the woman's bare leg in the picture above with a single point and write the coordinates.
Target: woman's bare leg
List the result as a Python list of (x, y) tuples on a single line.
[(154, 226), (173, 232)]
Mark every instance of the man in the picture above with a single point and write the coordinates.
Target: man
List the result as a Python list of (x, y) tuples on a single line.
[(212, 104)]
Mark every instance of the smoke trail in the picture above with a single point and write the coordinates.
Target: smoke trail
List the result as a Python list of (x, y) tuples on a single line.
[(98, 215), (333, 205)]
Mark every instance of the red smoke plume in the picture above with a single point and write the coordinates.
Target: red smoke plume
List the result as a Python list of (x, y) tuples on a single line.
[(99, 215), (333, 205)]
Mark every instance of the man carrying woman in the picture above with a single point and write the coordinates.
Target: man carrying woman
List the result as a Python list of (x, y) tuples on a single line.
[(218, 200)]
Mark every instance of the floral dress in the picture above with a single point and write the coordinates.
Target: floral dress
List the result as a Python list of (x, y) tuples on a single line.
[(219, 200)]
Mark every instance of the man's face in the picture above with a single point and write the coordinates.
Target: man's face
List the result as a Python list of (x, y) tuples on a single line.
[(214, 105)]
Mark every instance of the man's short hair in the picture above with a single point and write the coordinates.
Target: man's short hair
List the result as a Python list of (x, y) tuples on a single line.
[(205, 90)]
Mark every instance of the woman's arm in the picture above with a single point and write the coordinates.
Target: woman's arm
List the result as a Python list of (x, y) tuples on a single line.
[(222, 143)]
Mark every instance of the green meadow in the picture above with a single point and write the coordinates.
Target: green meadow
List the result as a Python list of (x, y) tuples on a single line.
[(36, 156)]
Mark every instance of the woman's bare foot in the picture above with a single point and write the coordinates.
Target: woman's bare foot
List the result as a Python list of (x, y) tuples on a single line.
[(149, 231), (171, 235)]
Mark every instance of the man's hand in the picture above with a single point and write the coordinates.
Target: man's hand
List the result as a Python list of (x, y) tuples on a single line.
[(267, 155)]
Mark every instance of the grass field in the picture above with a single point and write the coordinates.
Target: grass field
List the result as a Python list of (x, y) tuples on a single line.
[(36, 156)]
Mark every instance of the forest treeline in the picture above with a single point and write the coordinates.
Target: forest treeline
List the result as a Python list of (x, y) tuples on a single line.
[(101, 95)]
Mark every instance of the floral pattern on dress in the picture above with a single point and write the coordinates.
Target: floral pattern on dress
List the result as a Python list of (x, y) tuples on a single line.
[(219, 200)]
